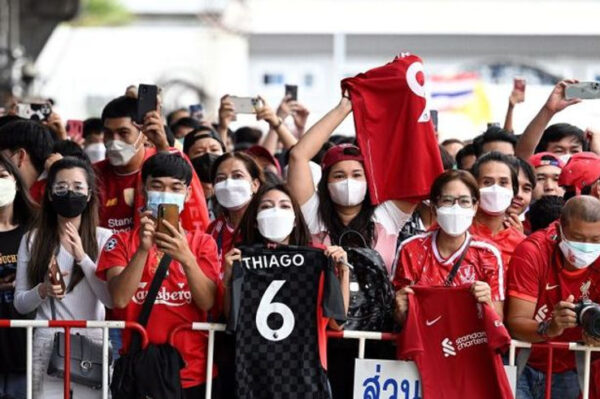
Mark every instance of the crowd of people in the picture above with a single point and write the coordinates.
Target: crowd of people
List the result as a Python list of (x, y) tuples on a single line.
[(518, 215)]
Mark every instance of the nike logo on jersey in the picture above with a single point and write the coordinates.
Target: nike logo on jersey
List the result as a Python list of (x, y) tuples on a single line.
[(429, 323), (550, 287)]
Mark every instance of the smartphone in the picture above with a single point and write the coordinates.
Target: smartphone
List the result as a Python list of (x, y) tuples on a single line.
[(246, 105), (170, 213), (34, 111), (519, 84), (291, 91), (55, 276), (197, 112), (75, 129), (583, 90), (146, 101)]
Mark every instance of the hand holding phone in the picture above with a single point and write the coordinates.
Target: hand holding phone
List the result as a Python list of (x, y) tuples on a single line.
[(291, 92), (583, 91), (170, 213), (75, 129), (55, 276), (34, 111), (246, 105), (147, 101), (518, 93), (197, 112)]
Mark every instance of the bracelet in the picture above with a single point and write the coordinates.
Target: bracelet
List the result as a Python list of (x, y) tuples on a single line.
[(543, 328), (278, 125)]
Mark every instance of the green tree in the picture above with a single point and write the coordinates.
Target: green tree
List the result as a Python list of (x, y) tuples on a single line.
[(102, 13)]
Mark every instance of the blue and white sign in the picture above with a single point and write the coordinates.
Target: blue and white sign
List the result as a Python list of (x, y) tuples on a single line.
[(389, 379)]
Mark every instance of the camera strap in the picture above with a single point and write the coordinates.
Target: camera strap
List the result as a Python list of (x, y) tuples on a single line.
[(456, 266)]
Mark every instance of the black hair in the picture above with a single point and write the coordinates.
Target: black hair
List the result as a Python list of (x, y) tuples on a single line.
[(245, 137), (447, 159), (165, 164), (559, 131), (68, 148), (466, 151), (337, 139), (496, 156), (453, 141), (272, 178), (92, 126), (201, 132), (9, 118), (527, 170), (171, 115), (31, 136), (545, 211), (203, 166), (493, 133), (120, 107), (185, 122)]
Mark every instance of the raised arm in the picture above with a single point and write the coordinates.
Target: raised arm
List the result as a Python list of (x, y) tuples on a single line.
[(516, 97), (299, 177), (556, 102), (277, 129)]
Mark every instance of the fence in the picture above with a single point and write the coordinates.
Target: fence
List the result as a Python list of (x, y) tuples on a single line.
[(212, 328)]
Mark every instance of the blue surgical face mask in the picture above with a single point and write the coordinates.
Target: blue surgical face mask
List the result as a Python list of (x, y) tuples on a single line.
[(181, 140), (579, 254), (155, 198)]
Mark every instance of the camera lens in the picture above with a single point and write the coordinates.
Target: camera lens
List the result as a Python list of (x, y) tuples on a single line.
[(590, 320)]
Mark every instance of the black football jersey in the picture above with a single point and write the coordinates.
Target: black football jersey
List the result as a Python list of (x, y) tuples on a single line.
[(275, 295)]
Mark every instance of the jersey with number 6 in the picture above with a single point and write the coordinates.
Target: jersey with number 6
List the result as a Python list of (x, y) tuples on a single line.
[(278, 296)]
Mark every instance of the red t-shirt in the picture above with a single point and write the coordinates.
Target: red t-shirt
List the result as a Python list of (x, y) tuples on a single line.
[(394, 130), (174, 305), (456, 344), (37, 190), (419, 263), (536, 274), (506, 240), (121, 198)]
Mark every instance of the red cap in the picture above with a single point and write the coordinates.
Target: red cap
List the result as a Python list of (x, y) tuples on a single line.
[(583, 169), (341, 152), (258, 151), (545, 159)]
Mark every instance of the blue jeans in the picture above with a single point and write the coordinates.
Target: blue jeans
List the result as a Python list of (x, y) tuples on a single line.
[(115, 337), (532, 385), (13, 386)]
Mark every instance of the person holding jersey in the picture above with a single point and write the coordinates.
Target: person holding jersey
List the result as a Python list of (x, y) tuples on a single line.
[(67, 230), (448, 254), (17, 212)]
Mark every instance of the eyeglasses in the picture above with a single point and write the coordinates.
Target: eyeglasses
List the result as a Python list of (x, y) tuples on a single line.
[(62, 188), (464, 201)]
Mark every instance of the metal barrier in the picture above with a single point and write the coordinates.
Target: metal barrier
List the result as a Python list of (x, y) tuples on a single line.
[(67, 325)]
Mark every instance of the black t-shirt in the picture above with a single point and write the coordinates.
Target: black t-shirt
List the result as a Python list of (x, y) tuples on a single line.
[(12, 340)]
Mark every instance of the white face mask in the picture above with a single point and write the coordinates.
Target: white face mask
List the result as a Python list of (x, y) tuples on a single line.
[(455, 220), (565, 158), (8, 191), (119, 153), (495, 199), (579, 254), (96, 152), (276, 224), (233, 193), (349, 192)]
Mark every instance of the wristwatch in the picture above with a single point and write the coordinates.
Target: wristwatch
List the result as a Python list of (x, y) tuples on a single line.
[(543, 327), (279, 124)]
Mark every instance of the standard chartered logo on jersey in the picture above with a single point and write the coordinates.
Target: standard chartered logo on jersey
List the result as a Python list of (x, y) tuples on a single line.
[(451, 348)]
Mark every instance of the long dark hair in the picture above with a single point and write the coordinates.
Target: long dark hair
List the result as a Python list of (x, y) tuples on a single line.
[(248, 232), (362, 223), (47, 239), (24, 209)]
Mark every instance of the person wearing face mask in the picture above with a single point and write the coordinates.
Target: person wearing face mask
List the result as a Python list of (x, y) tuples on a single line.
[(427, 259), (93, 135), (550, 272), (236, 178), (67, 231), (496, 176), (341, 200), (203, 140), (129, 260), (203, 166), (17, 212), (119, 177)]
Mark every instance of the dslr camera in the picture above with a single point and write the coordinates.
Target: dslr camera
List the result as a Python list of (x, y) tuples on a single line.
[(588, 317)]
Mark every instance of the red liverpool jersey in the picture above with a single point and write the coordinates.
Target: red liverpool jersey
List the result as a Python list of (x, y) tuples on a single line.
[(456, 344), (394, 130)]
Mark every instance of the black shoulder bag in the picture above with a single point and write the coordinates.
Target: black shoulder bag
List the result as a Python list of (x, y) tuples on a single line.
[(153, 372), (456, 266)]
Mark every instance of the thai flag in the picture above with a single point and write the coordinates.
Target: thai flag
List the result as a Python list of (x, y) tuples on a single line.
[(452, 92)]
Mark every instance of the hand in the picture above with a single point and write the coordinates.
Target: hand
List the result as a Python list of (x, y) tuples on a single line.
[(233, 255), (482, 292), (402, 301), (8, 282), (512, 220), (345, 103), (592, 134), (556, 101), (55, 124), (147, 230), (226, 112), (175, 244), (154, 129), (516, 97), (46, 289), (51, 159), (339, 256), (284, 110), (300, 114), (563, 317), (75, 247), (267, 114)]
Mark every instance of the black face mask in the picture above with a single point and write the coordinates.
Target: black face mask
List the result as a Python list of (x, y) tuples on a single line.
[(70, 205)]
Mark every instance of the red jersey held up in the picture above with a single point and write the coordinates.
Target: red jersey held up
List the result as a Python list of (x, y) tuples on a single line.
[(174, 304), (121, 198), (506, 240), (456, 344), (419, 263), (394, 130), (537, 275)]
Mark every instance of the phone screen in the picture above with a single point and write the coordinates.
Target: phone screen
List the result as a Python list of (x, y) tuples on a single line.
[(291, 91)]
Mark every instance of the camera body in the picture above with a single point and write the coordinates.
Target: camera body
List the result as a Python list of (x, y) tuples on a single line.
[(588, 317)]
